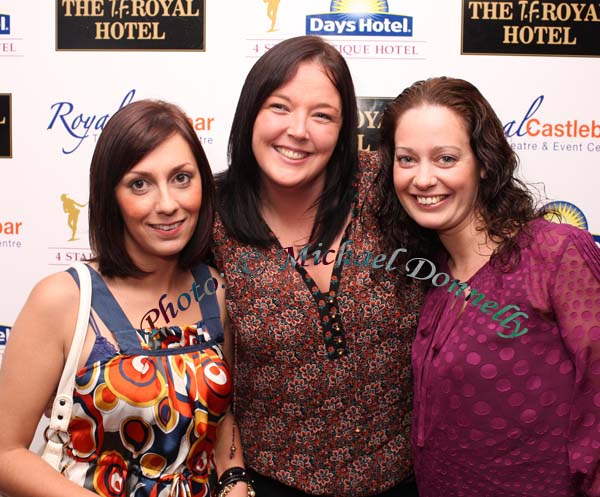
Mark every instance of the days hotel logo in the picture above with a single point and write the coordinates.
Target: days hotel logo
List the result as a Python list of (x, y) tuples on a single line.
[(4, 334), (4, 24), (359, 18)]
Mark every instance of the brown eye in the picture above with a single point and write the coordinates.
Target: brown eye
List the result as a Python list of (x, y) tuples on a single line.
[(137, 185)]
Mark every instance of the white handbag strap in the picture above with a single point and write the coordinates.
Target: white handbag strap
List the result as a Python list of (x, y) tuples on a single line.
[(57, 431)]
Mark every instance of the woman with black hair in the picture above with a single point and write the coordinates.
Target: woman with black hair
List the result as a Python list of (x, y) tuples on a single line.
[(322, 327)]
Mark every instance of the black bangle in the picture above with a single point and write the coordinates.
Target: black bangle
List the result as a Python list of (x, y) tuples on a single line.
[(232, 475)]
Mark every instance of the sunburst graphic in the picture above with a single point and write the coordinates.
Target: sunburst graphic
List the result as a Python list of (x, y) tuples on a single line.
[(359, 6), (570, 214)]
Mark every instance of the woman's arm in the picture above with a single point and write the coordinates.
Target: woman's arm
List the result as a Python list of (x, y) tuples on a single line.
[(32, 364), (575, 295), (228, 447)]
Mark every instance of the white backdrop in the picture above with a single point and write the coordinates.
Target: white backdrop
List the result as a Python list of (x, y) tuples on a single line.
[(59, 100)]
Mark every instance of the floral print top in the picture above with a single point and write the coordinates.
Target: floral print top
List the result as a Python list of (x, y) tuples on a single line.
[(323, 380), (501, 413)]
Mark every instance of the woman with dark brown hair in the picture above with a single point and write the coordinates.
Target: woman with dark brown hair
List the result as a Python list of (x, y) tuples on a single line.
[(322, 333), (149, 413), (506, 361)]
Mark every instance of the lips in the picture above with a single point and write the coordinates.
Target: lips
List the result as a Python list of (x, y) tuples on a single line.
[(167, 227), (430, 200), (291, 154)]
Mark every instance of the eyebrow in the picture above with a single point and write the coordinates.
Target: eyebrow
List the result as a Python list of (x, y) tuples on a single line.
[(317, 106), (176, 168), (439, 148)]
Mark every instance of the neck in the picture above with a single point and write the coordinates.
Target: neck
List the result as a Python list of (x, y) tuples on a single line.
[(469, 249), (291, 213), (162, 273)]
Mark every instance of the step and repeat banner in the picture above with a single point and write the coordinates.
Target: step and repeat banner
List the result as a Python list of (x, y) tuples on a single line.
[(67, 65)]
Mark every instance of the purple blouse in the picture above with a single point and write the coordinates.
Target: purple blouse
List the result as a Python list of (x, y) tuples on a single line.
[(520, 416)]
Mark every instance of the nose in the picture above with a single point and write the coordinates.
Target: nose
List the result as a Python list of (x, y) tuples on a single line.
[(297, 126), (425, 176), (166, 202)]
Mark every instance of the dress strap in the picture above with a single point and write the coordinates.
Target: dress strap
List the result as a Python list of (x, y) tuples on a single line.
[(106, 306), (209, 305)]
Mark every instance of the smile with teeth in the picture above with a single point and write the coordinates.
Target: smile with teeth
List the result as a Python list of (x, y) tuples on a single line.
[(167, 227), (291, 154), (431, 200)]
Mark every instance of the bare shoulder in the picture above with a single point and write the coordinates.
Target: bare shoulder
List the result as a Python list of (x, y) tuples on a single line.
[(54, 294)]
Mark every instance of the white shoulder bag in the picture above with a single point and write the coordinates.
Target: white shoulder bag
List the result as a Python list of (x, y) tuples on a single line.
[(56, 434)]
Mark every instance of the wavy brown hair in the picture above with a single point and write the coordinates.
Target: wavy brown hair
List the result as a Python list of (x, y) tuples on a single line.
[(504, 202)]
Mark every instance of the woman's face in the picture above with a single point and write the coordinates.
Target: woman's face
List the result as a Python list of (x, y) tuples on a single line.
[(436, 176), (296, 130), (160, 199)]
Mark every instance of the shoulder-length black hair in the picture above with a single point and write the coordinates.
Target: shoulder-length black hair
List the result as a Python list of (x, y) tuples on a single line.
[(129, 135), (239, 185), (503, 201)]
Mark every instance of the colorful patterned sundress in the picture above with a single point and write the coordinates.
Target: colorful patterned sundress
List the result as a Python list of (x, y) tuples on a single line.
[(145, 419)]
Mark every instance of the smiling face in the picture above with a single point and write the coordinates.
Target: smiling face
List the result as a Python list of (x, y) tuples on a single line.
[(159, 199), (436, 175), (296, 130)]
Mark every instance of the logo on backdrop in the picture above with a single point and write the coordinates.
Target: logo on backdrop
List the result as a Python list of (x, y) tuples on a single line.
[(79, 125), (10, 233), (535, 131), (531, 27), (72, 236), (359, 18), (9, 46), (4, 330), (202, 125), (130, 25), (5, 125), (370, 112), (4, 24), (272, 7), (359, 29), (72, 209), (367, 19), (570, 214)]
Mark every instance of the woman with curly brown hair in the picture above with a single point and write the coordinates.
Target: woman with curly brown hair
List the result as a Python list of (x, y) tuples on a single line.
[(506, 361)]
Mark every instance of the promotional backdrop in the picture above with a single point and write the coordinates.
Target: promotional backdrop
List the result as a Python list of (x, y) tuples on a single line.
[(68, 65)]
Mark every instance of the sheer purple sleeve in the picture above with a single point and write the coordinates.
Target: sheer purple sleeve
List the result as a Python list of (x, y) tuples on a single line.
[(575, 294)]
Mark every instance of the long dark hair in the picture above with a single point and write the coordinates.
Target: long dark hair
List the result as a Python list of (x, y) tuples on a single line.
[(239, 186), (503, 201), (129, 135)]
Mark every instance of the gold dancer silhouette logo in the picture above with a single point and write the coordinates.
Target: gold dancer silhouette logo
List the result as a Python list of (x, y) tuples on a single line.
[(72, 209), (272, 6)]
